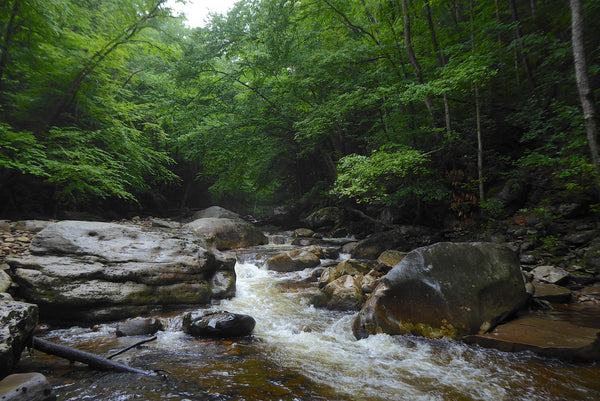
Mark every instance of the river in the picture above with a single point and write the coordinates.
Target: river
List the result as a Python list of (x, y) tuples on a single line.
[(299, 352)]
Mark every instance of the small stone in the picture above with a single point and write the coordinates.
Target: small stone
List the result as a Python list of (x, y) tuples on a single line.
[(139, 326), (528, 259)]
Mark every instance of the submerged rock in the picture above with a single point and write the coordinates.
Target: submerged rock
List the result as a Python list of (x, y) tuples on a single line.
[(445, 290), (544, 336), (18, 321), (218, 324), (91, 270)]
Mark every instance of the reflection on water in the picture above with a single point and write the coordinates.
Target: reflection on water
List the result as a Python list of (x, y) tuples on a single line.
[(299, 352)]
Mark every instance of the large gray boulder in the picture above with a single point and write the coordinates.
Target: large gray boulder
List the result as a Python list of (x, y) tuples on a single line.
[(224, 233), (17, 323), (445, 290), (103, 271)]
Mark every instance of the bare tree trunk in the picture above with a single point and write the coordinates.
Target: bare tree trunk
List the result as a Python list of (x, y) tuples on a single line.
[(518, 36), (477, 115), (586, 94)]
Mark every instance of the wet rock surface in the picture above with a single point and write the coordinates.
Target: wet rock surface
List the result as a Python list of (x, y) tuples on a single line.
[(26, 387), (220, 324), (17, 323), (227, 233), (445, 290)]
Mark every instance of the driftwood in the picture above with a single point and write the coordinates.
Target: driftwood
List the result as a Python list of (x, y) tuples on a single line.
[(92, 360), (131, 346)]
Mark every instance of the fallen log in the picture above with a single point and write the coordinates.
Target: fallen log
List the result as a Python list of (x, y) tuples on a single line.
[(92, 360)]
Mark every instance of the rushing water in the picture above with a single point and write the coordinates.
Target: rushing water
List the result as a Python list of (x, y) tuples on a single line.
[(299, 352)]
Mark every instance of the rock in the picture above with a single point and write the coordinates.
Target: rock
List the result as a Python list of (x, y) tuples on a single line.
[(550, 274), (580, 238), (347, 248), (18, 320), (544, 336), (592, 255), (34, 226), (5, 281), (405, 238), (139, 326), (5, 226), (173, 225), (551, 292), (303, 232), (225, 233), (222, 284), (391, 257), (26, 387), (581, 277), (216, 212), (294, 260), (87, 270), (218, 324), (344, 293), (345, 267), (445, 290), (323, 253), (326, 217), (528, 259)]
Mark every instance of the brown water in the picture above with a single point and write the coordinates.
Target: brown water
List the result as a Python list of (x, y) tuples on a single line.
[(299, 352)]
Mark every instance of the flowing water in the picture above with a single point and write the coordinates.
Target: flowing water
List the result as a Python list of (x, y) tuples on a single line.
[(299, 352)]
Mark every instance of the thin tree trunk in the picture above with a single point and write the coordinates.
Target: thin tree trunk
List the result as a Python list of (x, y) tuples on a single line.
[(441, 62), (519, 36), (477, 115), (586, 94), (6, 38), (411, 54)]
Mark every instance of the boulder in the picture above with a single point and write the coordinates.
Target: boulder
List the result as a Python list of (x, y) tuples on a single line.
[(551, 292), (344, 293), (404, 238), (5, 281), (391, 257), (326, 217), (216, 212), (543, 335), (323, 253), (92, 270), (445, 290), (345, 267), (218, 324), (550, 274), (225, 233), (139, 326), (222, 284), (294, 260), (26, 387), (303, 232), (18, 320)]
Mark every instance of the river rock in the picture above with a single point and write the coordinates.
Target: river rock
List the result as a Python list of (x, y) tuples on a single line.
[(303, 232), (87, 270), (18, 320), (26, 387), (294, 260), (391, 257), (550, 274), (326, 217), (323, 253), (592, 255), (225, 233), (218, 324), (551, 292), (545, 336), (139, 326), (404, 238), (445, 290), (216, 212), (350, 267), (344, 293)]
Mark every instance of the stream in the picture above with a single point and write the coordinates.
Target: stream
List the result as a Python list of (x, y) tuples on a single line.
[(298, 352)]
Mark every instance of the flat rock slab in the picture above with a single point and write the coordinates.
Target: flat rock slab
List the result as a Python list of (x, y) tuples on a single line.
[(551, 292), (543, 336)]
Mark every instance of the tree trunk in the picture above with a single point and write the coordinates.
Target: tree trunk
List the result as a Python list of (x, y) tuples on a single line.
[(6, 38), (586, 94), (411, 54), (519, 36)]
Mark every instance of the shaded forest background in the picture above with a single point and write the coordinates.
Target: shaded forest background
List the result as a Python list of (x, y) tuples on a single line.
[(424, 109)]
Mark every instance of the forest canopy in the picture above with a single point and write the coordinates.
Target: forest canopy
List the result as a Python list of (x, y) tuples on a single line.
[(366, 103)]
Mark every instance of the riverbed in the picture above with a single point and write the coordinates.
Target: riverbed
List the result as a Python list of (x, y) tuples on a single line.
[(298, 352)]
